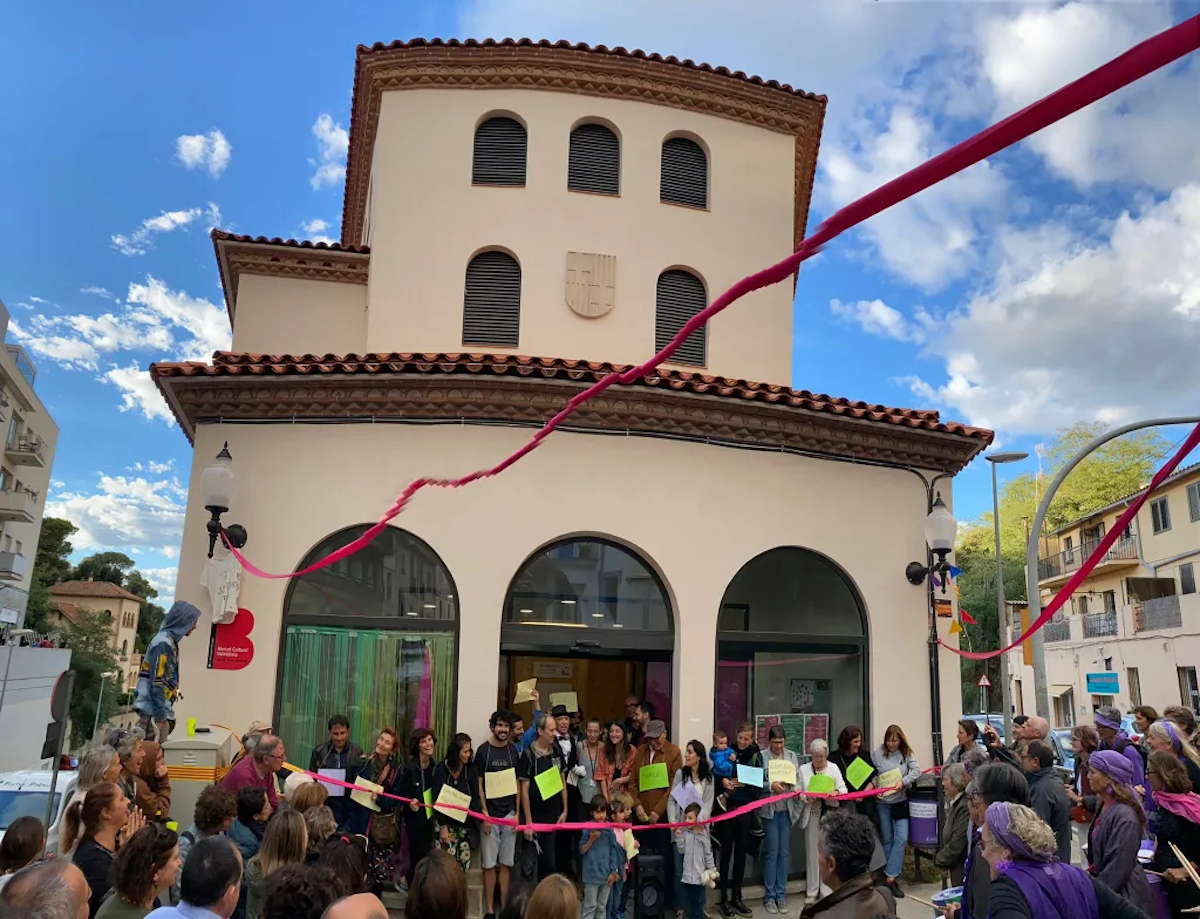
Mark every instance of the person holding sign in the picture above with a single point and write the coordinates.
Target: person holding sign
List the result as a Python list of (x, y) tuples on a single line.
[(654, 768), (416, 782), (898, 769), (734, 835), (543, 790), (693, 784), (496, 765), (818, 776), (455, 782), (778, 819), (377, 820)]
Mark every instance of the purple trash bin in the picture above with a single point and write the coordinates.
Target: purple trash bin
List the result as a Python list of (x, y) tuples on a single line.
[(923, 815)]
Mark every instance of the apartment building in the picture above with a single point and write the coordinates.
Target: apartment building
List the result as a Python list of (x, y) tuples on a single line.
[(30, 438), (1131, 632)]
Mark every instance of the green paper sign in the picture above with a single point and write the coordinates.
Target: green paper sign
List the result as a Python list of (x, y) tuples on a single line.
[(549, 783), (427, 797), (652, 777), (858, 772), (821, 784)]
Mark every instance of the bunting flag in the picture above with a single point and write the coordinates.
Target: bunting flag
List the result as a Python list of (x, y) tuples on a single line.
[(966, 617), (955, 573), (955, 628)]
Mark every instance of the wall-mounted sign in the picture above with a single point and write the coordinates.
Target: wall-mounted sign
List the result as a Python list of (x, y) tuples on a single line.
[(9, 616), (1103, 684), (230, 647), (944, 608), (553, 670)]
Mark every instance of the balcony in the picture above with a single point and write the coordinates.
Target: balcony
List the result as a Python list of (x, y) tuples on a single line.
[(1160, 613), (25, 450), (1099, 625), (18, 505), (1057, 569), (1057, 629), (12, 566)]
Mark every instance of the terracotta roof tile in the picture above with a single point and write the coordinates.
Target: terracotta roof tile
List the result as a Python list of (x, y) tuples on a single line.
[(92, 589), (232, 364), (220, 235), (69, 611)]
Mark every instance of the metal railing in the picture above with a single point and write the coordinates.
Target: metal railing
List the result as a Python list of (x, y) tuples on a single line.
[(1097, 625), (1057, 629), (1064, 562), (1159, 613)]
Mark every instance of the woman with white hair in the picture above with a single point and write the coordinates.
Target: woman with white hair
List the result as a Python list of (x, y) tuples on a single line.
[(99, 765), (1168, 737), (812, 809), (951, 858)]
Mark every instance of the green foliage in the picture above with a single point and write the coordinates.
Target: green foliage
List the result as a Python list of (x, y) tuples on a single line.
[(149, 622), (104, 566), (92, 655), (51, 565), (136, 583), (977, 595), (37, 608)]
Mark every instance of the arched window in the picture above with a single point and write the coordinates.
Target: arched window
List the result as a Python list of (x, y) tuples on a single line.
[(373, 637), (684, 173), (125, 648), (679, 297), (595, 160), (492, 300), (501, 148)]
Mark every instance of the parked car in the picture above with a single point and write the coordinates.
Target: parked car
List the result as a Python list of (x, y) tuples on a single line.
[(23, 794), (1064, 761), (1063, 735)]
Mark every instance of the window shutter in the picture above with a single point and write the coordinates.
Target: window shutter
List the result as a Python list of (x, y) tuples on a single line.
[(1193, 493), (501, 145), (680, 297), (684, 173), (492, 301), (595, 160)]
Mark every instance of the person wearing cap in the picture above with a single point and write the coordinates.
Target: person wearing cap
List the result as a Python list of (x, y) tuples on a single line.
[(650, 804), (251, 738), (567, 841), (1112, 737), (1117, 834)]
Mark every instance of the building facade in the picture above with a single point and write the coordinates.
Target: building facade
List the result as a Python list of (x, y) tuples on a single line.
[(1131, 634), (29, 441), (118, 606), (520, 221)]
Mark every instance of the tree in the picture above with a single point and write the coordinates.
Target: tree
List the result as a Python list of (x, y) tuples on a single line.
[(149, 622), (51, 565), (113, 567), (136, 583), (92, 655)]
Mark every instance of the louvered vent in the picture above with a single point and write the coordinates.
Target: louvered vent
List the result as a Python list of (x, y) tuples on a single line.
[(684, 173), (501, 146), (595, 160), (680, 297), (492, 302)]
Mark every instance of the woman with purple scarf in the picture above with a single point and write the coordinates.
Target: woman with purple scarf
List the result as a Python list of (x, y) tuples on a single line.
[(1178, 823), (1028, 882), (1119, 829)]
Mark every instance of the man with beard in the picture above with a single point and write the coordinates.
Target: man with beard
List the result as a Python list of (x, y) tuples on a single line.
[(497, 758)]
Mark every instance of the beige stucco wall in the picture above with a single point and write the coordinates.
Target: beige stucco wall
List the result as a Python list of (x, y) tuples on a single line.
[(697, 513), (427, 221), (126, 634), (296, 316)]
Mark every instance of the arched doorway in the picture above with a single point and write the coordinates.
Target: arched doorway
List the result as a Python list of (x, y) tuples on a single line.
[(589, 616), (373, 637), (792, 649)]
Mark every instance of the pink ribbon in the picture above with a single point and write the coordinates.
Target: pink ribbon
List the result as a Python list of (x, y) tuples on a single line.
[(1143, 59)]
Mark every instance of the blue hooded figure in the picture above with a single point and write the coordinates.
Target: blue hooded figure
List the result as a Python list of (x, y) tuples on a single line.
[(158, 677)]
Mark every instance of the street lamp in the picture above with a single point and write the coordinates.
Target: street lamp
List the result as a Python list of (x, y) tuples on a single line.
[(14, 634), (1001, 609), (104, 677), (217, 491)]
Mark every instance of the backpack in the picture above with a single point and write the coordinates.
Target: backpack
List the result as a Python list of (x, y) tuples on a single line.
[(1123, 742)]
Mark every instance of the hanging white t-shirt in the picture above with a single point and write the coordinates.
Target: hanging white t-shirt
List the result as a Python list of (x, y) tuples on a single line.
[(222, 575)]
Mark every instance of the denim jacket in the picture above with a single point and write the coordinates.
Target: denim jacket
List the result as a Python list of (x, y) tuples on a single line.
[(605, 857)]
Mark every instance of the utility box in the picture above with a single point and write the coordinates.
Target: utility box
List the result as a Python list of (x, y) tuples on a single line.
[(194, 763)]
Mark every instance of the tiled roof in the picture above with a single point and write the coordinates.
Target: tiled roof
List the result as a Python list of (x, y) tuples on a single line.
[(230, 364), (69, 611), (219, 235), (104, 589)]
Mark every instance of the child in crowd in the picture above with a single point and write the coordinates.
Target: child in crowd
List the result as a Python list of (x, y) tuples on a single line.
[(620, 810), (603, 862), (699, 869), (724, 762)]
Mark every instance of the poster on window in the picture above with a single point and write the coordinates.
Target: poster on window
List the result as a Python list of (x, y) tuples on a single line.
[(806, 696), (799, 731)]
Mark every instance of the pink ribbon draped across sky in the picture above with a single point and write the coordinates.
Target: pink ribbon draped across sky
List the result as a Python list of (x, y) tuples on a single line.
[(1143, 59)]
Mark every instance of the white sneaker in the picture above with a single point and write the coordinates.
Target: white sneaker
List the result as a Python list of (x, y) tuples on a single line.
[(810, 900), (781, 907), (770, 906)]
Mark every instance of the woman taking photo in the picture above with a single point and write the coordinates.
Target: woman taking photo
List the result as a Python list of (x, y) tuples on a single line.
[(284, 843), (456, 770), (1178, 823), (1084, 742), (381, 827), (153, 785), (1118, 830), (416, 782), (616, 761), (810, 811), (108, 818), (1027, 880), (143, 873), (734, 835), (1167, 737), (899, 769)]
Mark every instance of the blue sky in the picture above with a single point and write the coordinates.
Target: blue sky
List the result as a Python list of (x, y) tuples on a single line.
[(1053, 284)]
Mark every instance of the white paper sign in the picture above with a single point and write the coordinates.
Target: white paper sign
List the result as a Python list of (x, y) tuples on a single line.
[(335, 791)]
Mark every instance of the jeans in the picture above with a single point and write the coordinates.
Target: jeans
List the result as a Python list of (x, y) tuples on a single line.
[(595, 900), (895, 839), (616, 900), (693, 900), (776, 855)]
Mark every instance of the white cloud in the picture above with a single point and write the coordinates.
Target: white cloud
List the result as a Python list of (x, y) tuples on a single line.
[(57, 483), (877, 318), (333, 142), (139, 242), (98, 292), (138, 393), (315, 230), (126, 514), (209, 151), (37, 300), (162, 580), (206, 324), (42, 339), (152, 467)]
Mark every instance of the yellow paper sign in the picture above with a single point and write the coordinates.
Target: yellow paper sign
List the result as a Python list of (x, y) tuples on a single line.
[(821, 785), (172, 826), (191, 727), (781, 770), (857, 773), (890, 779), (568, 699), (524, 691), (631, 845), (549, 783), (427, 797), (450, 795), (502, 784), (363, 795), (652, 777)]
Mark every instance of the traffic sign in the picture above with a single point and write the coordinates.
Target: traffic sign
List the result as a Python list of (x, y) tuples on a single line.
[(984, 681)]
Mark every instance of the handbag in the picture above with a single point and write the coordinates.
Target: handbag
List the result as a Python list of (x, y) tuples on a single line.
[(384, 830), (899, 811)]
